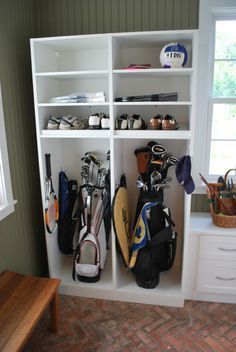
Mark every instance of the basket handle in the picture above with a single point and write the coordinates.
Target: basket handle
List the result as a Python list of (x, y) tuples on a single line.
[(227, 173), (210, 201)]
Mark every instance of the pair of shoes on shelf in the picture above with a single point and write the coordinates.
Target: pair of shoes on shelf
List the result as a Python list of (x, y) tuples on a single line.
[(66, 123), (125, 122), (99, 121), (159, 122)]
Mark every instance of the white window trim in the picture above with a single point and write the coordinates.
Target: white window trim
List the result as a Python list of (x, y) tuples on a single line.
[(208, 11), (6, 197)]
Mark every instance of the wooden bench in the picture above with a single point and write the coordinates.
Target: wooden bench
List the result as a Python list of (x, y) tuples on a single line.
[(23, 299)]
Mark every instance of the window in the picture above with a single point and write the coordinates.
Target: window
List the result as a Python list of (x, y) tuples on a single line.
[(6, 199), (222, 99), (215, 127)]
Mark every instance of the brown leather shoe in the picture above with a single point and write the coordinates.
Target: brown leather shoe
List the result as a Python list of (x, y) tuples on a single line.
[(155, 122), (169, 123)]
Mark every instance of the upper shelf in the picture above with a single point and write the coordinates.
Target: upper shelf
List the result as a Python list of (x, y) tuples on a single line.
[(155, 72), (71, 104), (154, 103), (74, 74)]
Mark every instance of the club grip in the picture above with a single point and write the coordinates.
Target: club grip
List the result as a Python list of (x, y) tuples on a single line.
[(48, 165)]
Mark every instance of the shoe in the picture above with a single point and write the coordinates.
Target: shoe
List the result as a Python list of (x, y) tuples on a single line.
[(169, 123), (95, 121), (72, 123), (155, 122), (105, 122), (53, 123), (136, 123), (82, 124), (122, 122)]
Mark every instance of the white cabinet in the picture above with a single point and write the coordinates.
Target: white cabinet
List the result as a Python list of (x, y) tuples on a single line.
[(214, 267), (90, 63)]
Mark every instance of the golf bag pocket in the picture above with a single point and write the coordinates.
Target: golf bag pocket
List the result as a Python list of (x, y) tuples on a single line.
[(167, 253), (157, 256), (87, 259), (90, 255)]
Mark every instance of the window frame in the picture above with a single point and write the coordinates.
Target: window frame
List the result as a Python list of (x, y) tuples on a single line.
[(211, 99), (209, 12), (6, 196)]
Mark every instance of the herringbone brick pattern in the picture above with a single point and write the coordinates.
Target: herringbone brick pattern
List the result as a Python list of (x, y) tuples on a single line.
[(90, 325)]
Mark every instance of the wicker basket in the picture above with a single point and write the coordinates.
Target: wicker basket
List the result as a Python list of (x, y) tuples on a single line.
[(220, 220), (226, 198)]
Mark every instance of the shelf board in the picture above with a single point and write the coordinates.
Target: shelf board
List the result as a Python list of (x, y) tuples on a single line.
[(155, 72), (153, 103), (75, 134), (157, 134), (74, 74), (72, 104)]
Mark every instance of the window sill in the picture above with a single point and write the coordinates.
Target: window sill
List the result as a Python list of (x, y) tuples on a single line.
[(7, 209)]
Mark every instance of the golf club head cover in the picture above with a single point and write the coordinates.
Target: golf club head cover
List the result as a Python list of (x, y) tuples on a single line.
[(143, 158)]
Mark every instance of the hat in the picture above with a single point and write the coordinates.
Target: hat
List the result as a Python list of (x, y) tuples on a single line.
[(183, 173)]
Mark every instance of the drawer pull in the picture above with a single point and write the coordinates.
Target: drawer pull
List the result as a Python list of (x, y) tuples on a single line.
[(225, 278), (227, 249)]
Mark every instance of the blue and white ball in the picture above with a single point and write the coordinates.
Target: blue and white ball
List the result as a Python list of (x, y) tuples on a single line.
[(173, 55)]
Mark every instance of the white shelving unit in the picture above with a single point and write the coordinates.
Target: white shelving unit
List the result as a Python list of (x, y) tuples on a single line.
[(90, 63)]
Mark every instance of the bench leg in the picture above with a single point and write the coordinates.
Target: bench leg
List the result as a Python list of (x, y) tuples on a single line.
[(54, 312)]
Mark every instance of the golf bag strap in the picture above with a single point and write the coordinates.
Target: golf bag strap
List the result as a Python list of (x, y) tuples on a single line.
[(164, 235), (76, 253), (169, 220)]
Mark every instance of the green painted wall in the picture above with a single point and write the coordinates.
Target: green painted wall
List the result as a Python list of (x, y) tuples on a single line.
[(21, 234), (65, 17), (22, 245)]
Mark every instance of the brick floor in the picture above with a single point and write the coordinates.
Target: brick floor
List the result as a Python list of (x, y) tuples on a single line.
[(90, 325)]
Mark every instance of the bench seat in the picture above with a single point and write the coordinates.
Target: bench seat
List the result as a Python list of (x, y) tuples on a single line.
[(23, 300)]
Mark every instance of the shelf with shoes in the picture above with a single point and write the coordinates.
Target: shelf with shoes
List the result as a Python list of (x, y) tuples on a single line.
[(97, 63), (180, 114), (52, 121)]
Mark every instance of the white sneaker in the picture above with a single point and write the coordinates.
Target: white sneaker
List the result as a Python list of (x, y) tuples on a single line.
[(105, 122), (95, 121), (53, 123)]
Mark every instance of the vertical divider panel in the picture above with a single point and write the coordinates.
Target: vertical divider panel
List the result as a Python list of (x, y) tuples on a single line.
[(39, 147), (189, 150), (111, 113)]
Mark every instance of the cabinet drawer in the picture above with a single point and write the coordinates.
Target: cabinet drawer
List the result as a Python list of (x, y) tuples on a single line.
[(216, 276), (215, 247)]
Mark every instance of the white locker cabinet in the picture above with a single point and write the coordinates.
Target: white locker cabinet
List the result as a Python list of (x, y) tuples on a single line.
[(90, 63)]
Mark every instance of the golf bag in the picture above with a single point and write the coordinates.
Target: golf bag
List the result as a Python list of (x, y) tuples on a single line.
[(92, 229), (154, 241), (156, 252), (67, 197), (151, 247)]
